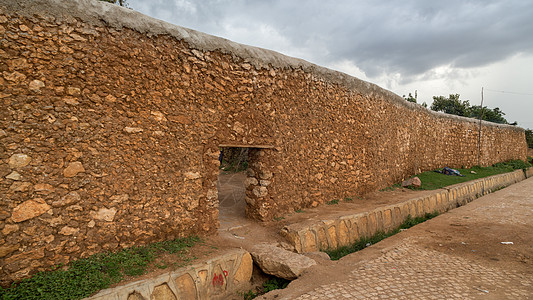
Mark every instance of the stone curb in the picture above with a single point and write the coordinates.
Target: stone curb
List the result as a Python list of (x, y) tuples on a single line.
[(343, 231), (212, 279)]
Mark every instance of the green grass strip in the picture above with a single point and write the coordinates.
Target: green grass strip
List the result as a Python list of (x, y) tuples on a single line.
[(336, 254), (432, 180), (83, 277)]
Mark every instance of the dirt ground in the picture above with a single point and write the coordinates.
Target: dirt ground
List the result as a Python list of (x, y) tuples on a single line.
[(457, 255), (473, 232), (238, 231)]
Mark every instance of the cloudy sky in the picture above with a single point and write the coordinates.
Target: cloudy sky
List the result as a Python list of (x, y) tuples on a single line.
[(434, 47)]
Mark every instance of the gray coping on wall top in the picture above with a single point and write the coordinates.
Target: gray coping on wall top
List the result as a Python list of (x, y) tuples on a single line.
[(95, 12)]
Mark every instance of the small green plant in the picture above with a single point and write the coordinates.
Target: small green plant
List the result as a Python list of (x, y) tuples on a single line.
[(299, 211), (333, 202), (277, 219), (249, 295), (83, 277), (336, 254), (275, 284), (348, 199)]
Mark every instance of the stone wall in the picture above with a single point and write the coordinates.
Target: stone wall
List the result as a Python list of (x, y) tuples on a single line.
[(111, 124), (218, 278), (330, 234)]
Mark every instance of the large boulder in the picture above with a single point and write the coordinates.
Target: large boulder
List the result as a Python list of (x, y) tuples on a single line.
[(280, 262)]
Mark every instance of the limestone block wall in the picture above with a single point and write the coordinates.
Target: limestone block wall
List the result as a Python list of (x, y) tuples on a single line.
[(111, 123), (346, 230), (216, 278)]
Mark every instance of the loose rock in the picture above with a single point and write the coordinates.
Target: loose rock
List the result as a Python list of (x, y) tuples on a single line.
[(280, 262), (415, 182)]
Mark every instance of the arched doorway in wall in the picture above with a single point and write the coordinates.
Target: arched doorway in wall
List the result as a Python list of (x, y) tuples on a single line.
[(237, 184)]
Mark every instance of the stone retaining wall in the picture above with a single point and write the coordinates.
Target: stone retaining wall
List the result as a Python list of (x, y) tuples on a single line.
[(213, 279), (111, 123), (529, 172), (331, 234)]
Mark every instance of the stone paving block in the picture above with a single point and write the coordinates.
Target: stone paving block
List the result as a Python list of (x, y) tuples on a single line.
[(343, 234), (322, 238), (362, 225), (244, 271), (162, 292), (187, 287), (397, 216), (310, 243), (387, 219), (331, 234), (372, 223)]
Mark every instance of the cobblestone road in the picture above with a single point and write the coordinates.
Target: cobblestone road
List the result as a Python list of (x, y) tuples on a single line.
[(431, 261), (408, 272)]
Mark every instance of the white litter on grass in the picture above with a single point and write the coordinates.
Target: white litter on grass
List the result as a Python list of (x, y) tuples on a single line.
[(507, 243)]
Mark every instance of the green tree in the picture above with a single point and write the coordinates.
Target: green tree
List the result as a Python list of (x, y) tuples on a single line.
[(492, 115), (410, 98), (529, 138), (119, 2), (451, 105)]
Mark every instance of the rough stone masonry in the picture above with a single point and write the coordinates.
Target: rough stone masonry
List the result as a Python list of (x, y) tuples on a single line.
[(111, 123)]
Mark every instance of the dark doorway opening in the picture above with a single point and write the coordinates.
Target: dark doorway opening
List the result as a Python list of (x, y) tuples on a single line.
[(231, 186)]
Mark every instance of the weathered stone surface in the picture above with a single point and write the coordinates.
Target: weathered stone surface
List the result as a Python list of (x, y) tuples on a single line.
[(279, 262), (6, 250), (135, 296), (162, 292), (133, 129), (73, 169), (14, 176), (250, 181), (67, 230), (104, 214), (9, 228), (244, 272), (20, 186), (43, 188), (414, 182), (186, 287), (19, 160), (311, 157), (69, 199), (29, 209), (35, 85), (260, 191), (318, 255), (192, 175), (309, 242)]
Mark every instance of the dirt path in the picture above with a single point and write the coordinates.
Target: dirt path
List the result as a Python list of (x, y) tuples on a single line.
[(458, 255), (238, 231)]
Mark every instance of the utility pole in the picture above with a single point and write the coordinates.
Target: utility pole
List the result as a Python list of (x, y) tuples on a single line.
[(479, 134)]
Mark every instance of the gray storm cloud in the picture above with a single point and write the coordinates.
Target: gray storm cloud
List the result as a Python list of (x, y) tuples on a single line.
[(379, 37)]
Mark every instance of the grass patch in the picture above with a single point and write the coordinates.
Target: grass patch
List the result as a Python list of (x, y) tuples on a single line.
[(336, 254), (83, 277), (271, 284), (348, 199), (333, 202), (432, 180)]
